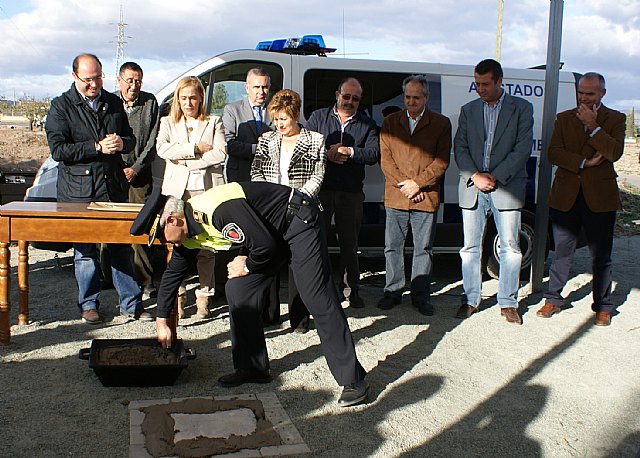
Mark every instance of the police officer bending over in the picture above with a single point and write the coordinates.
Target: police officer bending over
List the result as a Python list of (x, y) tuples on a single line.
[(273, 222)]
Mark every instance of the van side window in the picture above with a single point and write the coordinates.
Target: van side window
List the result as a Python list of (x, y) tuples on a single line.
[(380, 90), (228, 82)]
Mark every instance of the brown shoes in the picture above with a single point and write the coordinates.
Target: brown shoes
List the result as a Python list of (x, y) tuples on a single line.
[(202, 305), (603, 319), (91, 316), (182, 303), (465, 311), (511, 314), (548, 310)]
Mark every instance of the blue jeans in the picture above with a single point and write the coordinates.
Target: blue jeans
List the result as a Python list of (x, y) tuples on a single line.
[(87, 270), (508, 225), (395, 234)]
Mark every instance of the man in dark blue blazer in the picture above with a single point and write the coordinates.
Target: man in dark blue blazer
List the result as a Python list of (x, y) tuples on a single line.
[(491, 147), (244, 121)]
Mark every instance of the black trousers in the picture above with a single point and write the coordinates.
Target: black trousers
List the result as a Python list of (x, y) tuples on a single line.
[(297, 310), (312, 274), (598, 228)]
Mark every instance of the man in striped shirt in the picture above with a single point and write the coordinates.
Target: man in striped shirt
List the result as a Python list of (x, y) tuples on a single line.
[(491, 147)]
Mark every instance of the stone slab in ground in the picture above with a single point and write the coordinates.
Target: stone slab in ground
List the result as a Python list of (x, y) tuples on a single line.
[(233, 425)]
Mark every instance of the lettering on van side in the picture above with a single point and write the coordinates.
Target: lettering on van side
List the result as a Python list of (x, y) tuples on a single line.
[(518, 90)]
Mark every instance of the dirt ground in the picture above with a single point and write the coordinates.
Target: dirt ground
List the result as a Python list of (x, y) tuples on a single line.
[(440, 386), (22, 149)]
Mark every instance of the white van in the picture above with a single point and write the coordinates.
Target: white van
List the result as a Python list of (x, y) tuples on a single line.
[(316, 79)]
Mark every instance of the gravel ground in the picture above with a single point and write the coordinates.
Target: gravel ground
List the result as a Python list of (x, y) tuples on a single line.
[(440, 386)]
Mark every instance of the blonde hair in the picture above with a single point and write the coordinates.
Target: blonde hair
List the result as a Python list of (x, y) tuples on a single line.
[(285, 100), (176, 110)]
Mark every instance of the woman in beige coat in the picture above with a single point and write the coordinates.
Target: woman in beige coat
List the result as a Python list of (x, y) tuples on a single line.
[(193, 146)]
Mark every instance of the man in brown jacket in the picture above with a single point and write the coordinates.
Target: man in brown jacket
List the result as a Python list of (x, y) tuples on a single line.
[(586, 141), (415, 144)]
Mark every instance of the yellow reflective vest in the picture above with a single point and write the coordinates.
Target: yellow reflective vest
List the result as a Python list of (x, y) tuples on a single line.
[(203, 206)]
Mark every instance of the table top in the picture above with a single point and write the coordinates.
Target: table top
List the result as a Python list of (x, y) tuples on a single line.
[(62, 210)]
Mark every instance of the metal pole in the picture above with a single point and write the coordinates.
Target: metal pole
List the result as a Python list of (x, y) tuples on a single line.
[(551, 79), (499, 31)]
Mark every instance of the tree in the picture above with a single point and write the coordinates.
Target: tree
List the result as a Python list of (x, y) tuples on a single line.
[(631, 124), (34, 110), (219, 99)]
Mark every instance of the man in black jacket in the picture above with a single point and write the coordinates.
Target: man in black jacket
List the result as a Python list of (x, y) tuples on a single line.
[(351, 140), (87, 129), (274, 223)]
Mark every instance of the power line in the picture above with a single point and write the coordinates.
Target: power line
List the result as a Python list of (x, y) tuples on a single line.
[(24, 36)]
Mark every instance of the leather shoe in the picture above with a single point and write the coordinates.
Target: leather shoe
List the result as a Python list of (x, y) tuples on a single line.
[(242, 376), (424, 307), (389, 300), (355, 301), (303, 326), (603, 319), (511, 314), (354, 393), (91, 316), (548, 310), (465, 311)]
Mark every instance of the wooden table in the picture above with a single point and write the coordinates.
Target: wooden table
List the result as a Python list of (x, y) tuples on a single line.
[(25, 222)]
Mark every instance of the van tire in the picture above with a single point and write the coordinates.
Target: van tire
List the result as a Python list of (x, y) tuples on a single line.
[(491, 246)]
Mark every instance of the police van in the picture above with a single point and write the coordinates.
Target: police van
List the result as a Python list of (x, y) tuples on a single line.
[(316, 77)]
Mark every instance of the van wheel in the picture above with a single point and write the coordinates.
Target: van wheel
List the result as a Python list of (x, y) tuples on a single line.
[(491, 249)]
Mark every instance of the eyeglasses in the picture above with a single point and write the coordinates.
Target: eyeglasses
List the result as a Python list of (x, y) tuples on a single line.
[(348, 97), (94, 79), (132, 82)]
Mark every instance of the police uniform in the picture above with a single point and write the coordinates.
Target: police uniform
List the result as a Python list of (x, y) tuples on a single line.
[(275, 224)]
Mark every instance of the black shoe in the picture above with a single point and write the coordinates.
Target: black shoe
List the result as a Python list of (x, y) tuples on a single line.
[(389, 300), (354, 394), (303, 326), (355, 301), (242, 376), (424, 307)]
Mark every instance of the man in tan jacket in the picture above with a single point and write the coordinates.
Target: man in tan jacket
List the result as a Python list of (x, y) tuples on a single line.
[(586, 141), (415, 144)]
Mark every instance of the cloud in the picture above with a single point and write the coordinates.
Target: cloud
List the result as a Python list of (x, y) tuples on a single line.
[(169, 37)]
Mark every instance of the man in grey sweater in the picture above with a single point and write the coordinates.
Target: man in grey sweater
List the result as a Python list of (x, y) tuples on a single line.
[(142, 111)]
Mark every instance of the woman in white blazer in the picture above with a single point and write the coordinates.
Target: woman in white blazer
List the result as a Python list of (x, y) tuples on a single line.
[(194, 149)]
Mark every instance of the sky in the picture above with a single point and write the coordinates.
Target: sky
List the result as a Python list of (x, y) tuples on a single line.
[(40, 38)]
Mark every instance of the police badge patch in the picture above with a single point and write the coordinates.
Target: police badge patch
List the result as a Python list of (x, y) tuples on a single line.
[(233, 233)]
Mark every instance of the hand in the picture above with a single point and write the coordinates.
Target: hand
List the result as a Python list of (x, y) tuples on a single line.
[(130, 174), (342, 155), (163, 330), (236, 267), (202, 148), (111, 144), (419, 197), (587, 116), (334, 155), (409, 188), (484, 181), (594, 160)]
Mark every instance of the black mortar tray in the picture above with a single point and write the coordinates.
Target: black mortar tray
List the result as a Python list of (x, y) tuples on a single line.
[(136, 362)]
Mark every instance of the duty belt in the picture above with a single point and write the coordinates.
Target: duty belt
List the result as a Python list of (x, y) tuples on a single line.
[(297, 200)]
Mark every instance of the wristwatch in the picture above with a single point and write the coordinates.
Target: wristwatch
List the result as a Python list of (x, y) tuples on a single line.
[(98, 147), (245, 268)]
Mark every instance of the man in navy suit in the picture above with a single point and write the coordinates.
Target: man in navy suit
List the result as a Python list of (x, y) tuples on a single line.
[(244, 121), (491, 147)]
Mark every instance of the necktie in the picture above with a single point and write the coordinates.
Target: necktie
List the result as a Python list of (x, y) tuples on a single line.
[(257, 114)]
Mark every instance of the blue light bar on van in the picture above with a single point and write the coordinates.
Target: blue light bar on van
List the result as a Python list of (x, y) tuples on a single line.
[(264, 45), (307, 45)]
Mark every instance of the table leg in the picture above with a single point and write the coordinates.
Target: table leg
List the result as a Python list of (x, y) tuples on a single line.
[(23, 282), (5, 305)]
